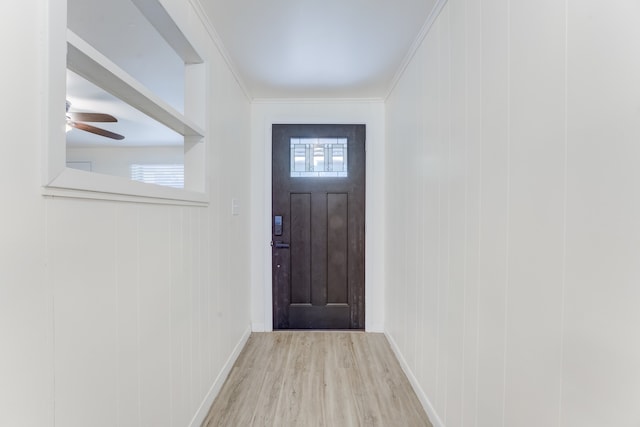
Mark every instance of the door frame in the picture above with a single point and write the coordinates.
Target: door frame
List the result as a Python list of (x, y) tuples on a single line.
[(367, 112)]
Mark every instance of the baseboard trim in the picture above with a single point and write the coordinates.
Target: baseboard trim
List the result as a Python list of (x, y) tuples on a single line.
[(374, 328), (422, 396), (203, 410), (258, 327)]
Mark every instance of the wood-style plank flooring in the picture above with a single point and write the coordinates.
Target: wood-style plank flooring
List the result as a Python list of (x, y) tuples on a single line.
[(304, 379)]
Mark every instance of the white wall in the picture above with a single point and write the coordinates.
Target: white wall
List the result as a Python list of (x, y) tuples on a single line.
[(117, 161), (513, 265), (120, 313), (26, 303), (264, 114)]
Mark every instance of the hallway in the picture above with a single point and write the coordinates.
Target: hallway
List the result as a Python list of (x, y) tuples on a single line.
[(317, 379)]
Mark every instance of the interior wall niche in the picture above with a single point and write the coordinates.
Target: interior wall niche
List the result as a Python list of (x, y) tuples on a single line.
[(129, 70)]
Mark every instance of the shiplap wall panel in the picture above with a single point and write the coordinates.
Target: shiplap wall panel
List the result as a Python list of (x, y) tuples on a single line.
[(180, 308), (411, 206), (444, 213), (517, 126), (83, 275), (473, 135), (135, 303), (154, 311), (536, 212), (203, 301), (493, 212), (601, 345), (429, 171), (128, 363), (457, 236), (141, 303), (151, 300), (192, 287)]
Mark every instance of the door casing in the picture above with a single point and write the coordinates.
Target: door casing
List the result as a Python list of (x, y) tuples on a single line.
[(318, 111)]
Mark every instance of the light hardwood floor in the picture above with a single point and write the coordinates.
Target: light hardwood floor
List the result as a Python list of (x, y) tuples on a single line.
[(304, 379)]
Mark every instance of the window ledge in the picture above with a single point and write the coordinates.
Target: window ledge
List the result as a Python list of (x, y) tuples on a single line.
[(79, 184)]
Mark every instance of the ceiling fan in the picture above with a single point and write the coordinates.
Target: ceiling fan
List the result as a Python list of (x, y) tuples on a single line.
[(75, 119)]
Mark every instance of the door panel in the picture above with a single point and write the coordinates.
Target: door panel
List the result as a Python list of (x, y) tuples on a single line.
[(318, 260), (337, 244), (301, 241)]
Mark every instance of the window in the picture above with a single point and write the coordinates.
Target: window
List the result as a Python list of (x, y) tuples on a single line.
[(319, 157), (168, 175), (128, 59)]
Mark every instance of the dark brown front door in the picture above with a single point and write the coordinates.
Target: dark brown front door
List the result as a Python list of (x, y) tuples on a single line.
[(318, 201)]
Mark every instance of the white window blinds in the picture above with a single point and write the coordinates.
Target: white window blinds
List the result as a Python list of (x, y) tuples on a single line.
[(170, 175)]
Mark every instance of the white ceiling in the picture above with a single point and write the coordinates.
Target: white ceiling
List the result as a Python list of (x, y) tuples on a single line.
[(278, 48), (317, 48)]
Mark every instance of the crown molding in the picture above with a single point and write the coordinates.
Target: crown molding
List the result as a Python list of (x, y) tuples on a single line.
[(317, 100), (431, 19), (213, 33), (215, 37)]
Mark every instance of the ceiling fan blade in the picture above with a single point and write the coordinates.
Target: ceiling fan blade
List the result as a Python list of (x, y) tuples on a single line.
[(91, 117), (95, 130)]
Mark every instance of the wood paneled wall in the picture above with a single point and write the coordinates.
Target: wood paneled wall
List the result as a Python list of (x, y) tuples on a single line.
[(512, 214), (116, 313)]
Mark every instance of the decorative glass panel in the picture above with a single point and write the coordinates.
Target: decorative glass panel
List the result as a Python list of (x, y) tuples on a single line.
[(319, 157)]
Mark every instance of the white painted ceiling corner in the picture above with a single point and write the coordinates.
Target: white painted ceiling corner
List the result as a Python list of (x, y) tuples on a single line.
[(318, 48)]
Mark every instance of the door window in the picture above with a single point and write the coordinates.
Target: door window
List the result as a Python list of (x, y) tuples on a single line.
[(319, 157)]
